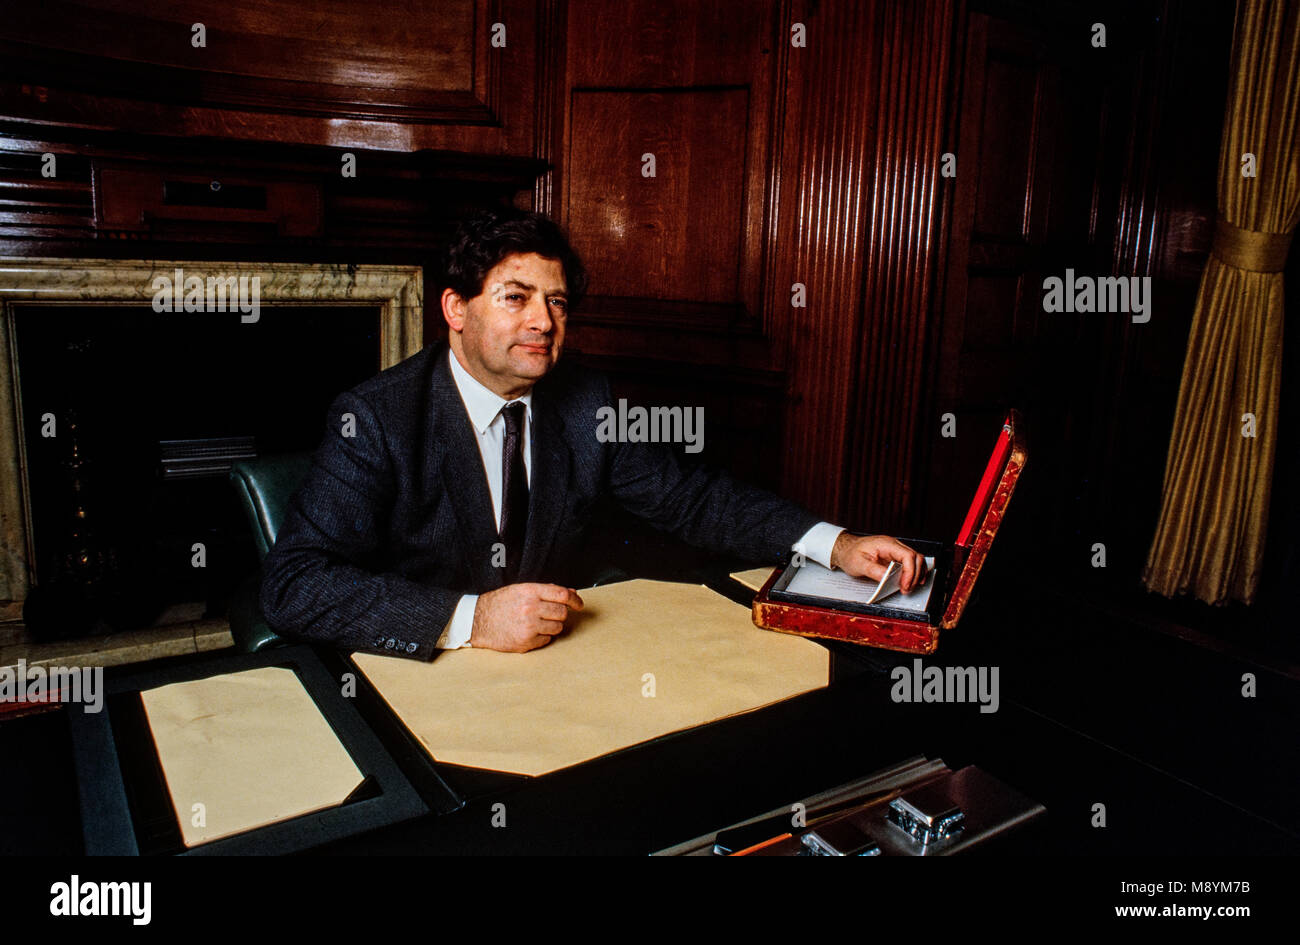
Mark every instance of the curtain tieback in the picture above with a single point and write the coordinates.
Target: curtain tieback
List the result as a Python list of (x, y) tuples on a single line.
[(1248, 249)]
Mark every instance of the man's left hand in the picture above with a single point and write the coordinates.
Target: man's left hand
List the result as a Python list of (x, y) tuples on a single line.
[(869, 556)]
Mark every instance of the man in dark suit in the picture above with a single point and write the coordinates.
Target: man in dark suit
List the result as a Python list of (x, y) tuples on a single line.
[(448, 502)]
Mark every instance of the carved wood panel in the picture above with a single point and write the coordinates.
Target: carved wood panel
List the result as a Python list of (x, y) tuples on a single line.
[(657, 192), (393, 74), (692, 84)]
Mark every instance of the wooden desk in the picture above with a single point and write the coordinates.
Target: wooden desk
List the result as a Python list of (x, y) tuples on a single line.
[(654, 795)]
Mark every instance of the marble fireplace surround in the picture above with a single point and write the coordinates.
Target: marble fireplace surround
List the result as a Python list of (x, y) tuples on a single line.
[(48, 284)]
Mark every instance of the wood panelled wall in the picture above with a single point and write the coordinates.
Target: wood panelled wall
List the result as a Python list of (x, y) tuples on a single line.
[(776, 164), (923, 293), (866, 105), (1100, 160), (662, 175), (790, 224)]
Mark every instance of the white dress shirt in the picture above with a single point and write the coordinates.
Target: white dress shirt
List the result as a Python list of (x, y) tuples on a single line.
[(484, 409)]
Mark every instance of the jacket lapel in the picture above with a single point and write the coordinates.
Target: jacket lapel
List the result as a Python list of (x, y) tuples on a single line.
[(463, 477), (548, 485)]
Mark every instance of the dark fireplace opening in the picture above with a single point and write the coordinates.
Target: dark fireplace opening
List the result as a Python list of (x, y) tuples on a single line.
[(132, 419)]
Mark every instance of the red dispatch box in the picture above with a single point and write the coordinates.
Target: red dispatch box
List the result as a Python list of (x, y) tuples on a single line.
[(956, 569)]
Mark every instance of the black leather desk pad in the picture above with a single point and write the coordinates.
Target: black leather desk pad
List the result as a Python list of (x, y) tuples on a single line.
[(127, 810)]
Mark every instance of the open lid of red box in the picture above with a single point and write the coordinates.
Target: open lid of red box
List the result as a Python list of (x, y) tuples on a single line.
[(986, 510)]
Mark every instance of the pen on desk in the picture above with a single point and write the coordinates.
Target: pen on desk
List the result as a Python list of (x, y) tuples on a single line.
[(737, 841), (765, 843)]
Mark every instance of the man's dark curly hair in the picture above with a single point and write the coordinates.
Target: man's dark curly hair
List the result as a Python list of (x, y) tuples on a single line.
[(489, 236)]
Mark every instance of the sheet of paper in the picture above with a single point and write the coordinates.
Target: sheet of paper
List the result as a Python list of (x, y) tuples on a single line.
[(643, 659), (754, 579), (250, 747), (813, 580)]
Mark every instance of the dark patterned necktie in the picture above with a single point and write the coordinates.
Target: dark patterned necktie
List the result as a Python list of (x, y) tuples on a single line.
[(514, 489)]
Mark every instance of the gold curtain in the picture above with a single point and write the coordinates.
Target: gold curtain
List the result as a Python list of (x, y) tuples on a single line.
[(1214, 508)]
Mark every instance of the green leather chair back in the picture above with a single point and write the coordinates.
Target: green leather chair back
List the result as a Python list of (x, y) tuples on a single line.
[(265, 486)]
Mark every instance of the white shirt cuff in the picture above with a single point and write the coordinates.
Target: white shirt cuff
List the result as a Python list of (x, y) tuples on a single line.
[(461, 626), (818, 543)]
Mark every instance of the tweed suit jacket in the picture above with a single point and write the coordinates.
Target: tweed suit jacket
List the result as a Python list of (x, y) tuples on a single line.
[(394, 523)]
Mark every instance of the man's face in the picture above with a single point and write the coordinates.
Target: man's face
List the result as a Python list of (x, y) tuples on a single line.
[(512, 332)]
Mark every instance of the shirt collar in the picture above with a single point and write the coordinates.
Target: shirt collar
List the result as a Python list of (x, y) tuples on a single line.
[(482, 404)]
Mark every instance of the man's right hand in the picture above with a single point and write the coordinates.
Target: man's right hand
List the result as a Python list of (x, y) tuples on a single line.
[(521, 617)]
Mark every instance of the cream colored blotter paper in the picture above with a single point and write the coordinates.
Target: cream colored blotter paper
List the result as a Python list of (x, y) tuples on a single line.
[(643, 659), (251, 747), (753, 579)]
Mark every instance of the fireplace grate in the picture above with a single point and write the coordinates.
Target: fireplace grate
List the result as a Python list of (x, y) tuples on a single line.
[(204, 458)]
